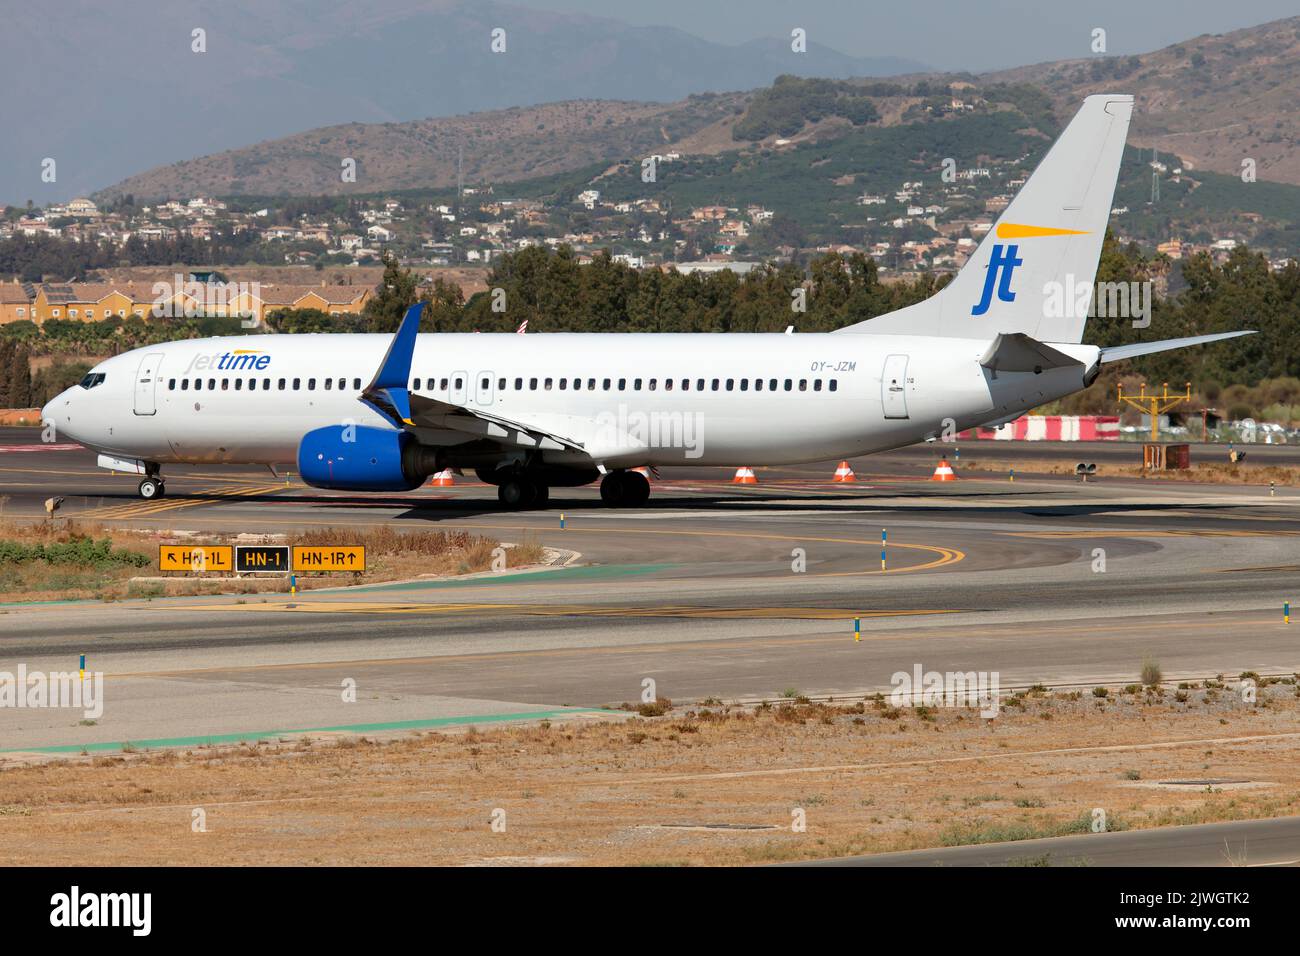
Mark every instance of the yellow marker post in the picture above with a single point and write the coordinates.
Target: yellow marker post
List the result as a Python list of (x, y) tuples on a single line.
[(857, 628)]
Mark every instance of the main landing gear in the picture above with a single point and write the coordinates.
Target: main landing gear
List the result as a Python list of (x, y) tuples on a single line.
[(522, 492), (625, 489)]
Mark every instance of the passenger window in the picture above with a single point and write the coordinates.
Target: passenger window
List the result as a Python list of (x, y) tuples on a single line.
[(185, 385), (817, 385), (716, 382), (605, 385), (758, 384), (519, 385), (833, 383), (239, 384), (622, 384), (415, 385), (311, 385), (803, 384), (501, 385), (654, 383), (460, 383), (668, 385), (225, 384), (484, 383), (577, 384), (198, 385), (731, 384), (171, 384), (771, 385), (356, 383), (282, 385), (744, 385), (252, 385), (329, 383), (564, 384), (789, 384), (591, 384), (686, 385), (266, 384), (547, 384), (636, 385), (442, 385), (532, 385)]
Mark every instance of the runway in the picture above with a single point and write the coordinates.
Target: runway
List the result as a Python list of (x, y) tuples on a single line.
[(1274, 842), (711, 590)]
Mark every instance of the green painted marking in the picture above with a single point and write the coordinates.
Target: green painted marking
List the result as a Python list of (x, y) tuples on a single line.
[(585, 571), (111, 746)]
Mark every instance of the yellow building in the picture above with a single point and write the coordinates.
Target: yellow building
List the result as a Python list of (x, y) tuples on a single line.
[(15, 302), (94, 302)]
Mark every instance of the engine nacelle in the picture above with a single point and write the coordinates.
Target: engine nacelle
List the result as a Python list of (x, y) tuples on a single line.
[(363, 458)]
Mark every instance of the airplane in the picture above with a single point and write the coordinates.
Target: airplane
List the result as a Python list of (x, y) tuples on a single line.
[(381, 413)]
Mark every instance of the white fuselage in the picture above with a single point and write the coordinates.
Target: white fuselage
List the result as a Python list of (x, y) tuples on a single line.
[(641, 399)]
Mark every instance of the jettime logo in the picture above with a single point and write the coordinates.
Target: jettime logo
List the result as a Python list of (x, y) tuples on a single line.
[(238, 360), (1002, 264), (1004, 260)]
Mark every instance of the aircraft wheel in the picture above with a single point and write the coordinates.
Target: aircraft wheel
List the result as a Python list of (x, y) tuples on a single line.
[(519, 492), (613, 489), (636, 489), (151, 488)]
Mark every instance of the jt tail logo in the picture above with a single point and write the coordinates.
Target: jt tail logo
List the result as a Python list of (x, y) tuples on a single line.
[(1001, 264)]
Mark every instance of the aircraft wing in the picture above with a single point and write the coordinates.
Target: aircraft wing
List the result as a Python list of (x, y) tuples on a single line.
[(389, 395)]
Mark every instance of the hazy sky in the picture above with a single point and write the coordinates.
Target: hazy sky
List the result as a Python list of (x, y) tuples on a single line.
[(947, 34)]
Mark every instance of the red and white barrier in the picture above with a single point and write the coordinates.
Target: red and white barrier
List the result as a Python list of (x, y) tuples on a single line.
[(1051, 428)]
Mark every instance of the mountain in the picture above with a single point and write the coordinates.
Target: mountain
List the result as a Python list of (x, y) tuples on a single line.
[(109, 89), (1213, 100)]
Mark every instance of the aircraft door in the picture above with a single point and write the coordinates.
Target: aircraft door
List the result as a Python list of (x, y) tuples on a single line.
[(893, 386), (146, 381), (484, 394)]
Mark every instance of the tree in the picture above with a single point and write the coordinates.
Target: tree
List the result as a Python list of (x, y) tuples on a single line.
[(20, 378), (395, 294)]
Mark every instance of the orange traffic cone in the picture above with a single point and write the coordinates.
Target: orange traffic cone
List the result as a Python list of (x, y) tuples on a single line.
[(444, 478), (745, 476), (844, 473), (944, 472)]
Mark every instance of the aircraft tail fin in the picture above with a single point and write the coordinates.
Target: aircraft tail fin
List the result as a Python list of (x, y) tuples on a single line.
[(1025, 274)]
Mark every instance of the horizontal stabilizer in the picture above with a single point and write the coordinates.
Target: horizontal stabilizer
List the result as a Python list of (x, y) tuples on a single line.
[(1117, 353), (1017, 352)]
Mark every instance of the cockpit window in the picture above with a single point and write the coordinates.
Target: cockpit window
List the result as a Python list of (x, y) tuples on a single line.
[(92, 379)]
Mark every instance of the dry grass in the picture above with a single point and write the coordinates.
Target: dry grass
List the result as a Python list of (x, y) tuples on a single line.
[(869, 778), (390, 555), (1221, 473)]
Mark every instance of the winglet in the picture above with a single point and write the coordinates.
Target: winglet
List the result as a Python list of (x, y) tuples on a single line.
[(387, 392)]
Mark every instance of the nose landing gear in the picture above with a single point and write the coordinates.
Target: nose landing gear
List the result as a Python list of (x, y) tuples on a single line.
[(151, 487)]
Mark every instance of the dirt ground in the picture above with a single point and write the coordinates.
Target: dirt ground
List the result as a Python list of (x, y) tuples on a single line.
[(711, 785)]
